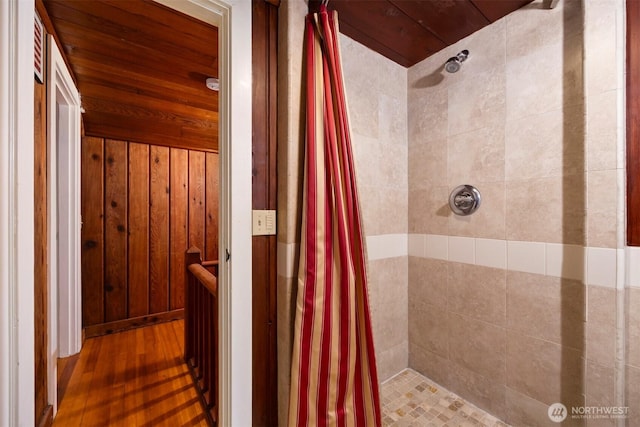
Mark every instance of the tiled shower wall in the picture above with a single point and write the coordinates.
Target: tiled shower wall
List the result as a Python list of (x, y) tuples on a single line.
[(516, 306), (524, 303), (376, 90)]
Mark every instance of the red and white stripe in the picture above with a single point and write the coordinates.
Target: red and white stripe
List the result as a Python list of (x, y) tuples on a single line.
[(333, 376)]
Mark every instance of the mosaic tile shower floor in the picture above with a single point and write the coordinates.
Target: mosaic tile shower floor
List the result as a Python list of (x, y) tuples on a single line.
[(412, 400)]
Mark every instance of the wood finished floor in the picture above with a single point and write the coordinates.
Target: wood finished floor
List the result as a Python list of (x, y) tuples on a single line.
[(134, 378)]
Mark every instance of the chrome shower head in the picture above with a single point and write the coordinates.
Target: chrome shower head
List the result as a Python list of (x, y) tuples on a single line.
[(453, 64)]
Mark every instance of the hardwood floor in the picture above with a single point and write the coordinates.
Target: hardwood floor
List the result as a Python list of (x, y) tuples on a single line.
[(134, 378)]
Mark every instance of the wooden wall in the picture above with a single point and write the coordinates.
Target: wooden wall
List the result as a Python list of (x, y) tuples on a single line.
[(143, 206), (264, 60), (43, 410)]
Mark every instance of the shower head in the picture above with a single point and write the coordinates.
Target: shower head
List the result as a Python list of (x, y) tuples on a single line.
[(453, 64)]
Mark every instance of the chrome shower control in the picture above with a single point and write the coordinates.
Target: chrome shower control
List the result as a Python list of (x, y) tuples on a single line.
[(464, 200)]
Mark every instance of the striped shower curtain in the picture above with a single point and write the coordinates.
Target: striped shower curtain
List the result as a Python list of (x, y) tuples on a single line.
[(333, 375)]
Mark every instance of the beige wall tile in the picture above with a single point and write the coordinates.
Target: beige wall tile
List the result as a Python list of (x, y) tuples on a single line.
[(523, 410), (392, 360), (600, 385), (632, 394), (633, 327), (547, 210), (427, 115), (290, 138), (435, 367), (477, 103), (388, 301), (429, 211), (476, 156), (602, 131), (379, 164), (600, 41), (429, 328), (548, 308), (544, 371), (383, 210), (546, 79), (285, 318), (477, 389), (428, 281), (601, 325), (489, 220), (546, 145), (535, 27), (478, 346), (477, 292), (427, 165), (602, 208), (392, 116)]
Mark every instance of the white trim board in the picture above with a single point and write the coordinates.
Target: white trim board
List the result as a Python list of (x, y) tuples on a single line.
[(64, 219), (17, 399)]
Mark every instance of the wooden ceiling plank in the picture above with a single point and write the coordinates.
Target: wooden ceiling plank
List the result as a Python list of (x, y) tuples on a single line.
[(152, 22), (171, 18), (496, 9), (137, 135), (373, 44), (149, 107), (150, 126), (77, 41), (91, 66), (449, 21), (186, 96), (393, 28), (97, 16)]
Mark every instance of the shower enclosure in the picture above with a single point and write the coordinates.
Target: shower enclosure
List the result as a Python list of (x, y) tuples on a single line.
[(522, 304)]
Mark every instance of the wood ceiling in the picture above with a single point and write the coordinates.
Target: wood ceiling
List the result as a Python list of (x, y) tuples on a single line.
[(141, 67), (408, 31), (141, 70)]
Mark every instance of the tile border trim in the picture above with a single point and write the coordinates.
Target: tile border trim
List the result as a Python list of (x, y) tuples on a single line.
[(592, 265)]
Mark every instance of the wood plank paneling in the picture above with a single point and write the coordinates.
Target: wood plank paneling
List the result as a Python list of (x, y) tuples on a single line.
[(196, 198), (495, 10), (138, 230), (392, 27), (40, 262), (212, 203), (178, 220), (139, 60), (409, 31), (264, 196), (115, 229), (162, 215), (633, 123), (159, 226), (92, 208), (450, 21)]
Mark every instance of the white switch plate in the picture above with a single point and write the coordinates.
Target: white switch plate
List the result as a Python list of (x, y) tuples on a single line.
[(264, 222)]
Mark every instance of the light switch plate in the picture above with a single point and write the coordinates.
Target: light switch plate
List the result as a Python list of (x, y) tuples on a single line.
[(264, 222)]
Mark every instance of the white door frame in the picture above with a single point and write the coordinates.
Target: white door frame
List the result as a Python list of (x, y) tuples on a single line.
[(233, 20), (63, 212), (17, 397), (17, 218)]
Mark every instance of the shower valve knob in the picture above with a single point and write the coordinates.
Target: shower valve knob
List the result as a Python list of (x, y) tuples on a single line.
[(464, 200)]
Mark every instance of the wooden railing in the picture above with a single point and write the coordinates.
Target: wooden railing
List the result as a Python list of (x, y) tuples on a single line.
[(201, 329)]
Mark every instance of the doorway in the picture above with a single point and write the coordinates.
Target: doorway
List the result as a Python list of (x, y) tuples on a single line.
[(64, 221)]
